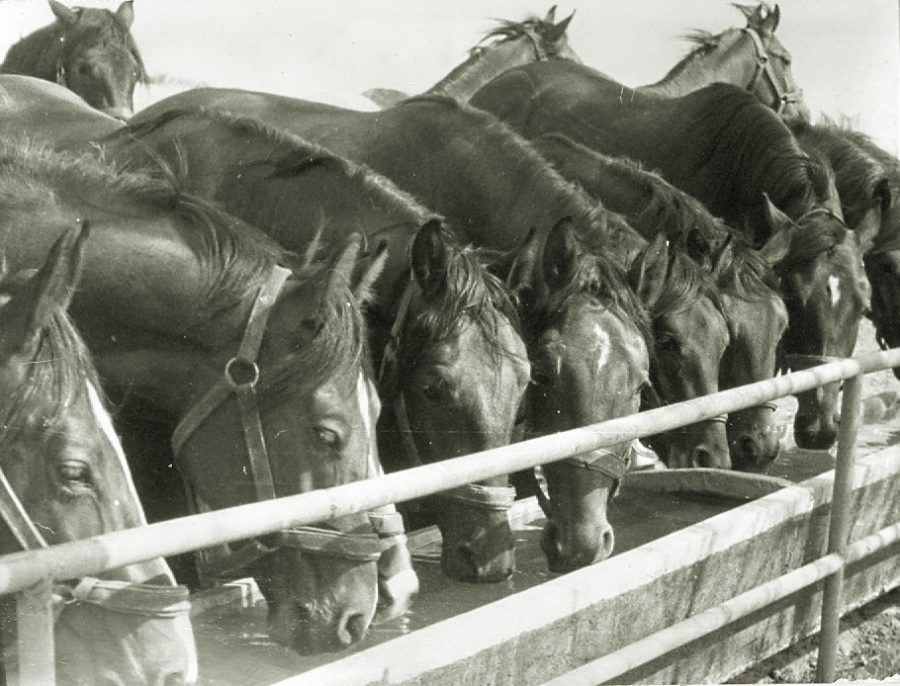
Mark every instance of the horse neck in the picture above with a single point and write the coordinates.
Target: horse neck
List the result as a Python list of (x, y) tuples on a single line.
[(696, 72), (467, 78)]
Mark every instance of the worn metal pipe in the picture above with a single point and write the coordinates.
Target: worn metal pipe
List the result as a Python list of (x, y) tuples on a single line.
[(36, 647), (839, 526), (109, 551), (634, 655)]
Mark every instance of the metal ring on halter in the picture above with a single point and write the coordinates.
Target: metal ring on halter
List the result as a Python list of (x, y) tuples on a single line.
[(229, 372)]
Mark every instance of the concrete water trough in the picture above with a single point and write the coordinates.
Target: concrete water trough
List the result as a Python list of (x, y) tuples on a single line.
[(542, 632)]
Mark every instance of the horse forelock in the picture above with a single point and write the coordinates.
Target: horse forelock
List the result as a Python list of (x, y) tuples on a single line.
[(742, 272), (238, 257), (468, 293), (57, 375)]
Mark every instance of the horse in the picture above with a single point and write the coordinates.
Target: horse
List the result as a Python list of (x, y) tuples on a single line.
[(510, 44), (90, 51), (50, 112), (723, 146), (868, 180), (443, 330), (492, 204), (63, 477), (750, 57), (260, 368), (747, 284)]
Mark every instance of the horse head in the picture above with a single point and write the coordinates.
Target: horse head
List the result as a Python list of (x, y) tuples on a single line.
[(98, 58), (690, 336), (64, 478), (586, 339), (454, 372), (826, 293)]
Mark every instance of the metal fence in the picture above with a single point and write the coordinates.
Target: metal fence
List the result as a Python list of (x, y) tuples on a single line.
[(30, 574)]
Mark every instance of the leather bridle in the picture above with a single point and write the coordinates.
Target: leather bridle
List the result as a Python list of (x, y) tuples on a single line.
[(783, 98), (475, 495), (240, 378)]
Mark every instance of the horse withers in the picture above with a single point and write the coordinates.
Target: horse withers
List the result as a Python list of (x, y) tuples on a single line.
[(89, 51), (63, 477)]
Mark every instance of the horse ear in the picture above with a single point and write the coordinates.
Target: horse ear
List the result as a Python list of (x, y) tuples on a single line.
[(697, 246), (560, 255), (884, 193), (125, 13), (519, 271), (367, 272), (769, 22), (775, 218), (429, 257), (551, 15), (776, 248), (44, 294), (341, 273), (557, 31), (648, 271), (749, 13), (66, 16)]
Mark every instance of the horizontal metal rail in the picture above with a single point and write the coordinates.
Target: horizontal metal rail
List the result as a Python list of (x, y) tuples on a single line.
[(96, 555), (636, 654)]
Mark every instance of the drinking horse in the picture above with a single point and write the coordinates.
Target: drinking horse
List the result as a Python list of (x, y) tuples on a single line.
[(443, 330), (63, 477), (89, 51), (724, 147), (744, 277), (260, 367), (868, 181)]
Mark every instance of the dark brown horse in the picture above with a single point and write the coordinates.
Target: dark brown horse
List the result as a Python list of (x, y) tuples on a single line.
[(50, 112), (510, 44), (88, 50), (723, 146), (260, 368), (868, 180), (748, 286), (750, 57), (63, 477), (443, 330), (446, 155)]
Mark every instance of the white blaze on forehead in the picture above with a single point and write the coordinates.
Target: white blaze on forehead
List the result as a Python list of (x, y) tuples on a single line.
[(834, 287), (365, 411), (603, 344), (105, 424)]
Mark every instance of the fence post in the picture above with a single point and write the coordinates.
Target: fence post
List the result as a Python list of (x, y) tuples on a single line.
[(837, 531), (34, 614)]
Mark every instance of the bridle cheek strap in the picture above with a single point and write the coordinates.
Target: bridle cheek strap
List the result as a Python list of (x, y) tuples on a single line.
[(764, 66), (244, 390), (17, 519)]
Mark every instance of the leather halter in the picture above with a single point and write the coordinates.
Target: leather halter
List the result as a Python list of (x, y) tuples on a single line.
[(764, 67), (484, 497), (240, 378)]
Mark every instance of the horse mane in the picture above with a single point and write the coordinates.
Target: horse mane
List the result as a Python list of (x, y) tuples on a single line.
[(507, 29), (857, 172), (297, 155), (238, 257), (749, 144)]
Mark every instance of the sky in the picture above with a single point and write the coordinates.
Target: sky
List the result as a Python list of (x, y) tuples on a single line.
[(845, 55)]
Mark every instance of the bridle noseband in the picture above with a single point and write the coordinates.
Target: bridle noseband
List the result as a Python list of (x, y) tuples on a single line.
[(764, 68), (240, 378)]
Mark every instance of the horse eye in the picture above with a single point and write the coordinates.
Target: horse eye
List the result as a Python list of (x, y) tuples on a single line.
[(668, 344), (328, 437), (434, 390), (74, 473), (539, 378)]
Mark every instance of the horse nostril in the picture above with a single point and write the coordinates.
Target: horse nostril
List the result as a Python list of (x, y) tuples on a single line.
[(607, 543), (352, 628), (748, 447)]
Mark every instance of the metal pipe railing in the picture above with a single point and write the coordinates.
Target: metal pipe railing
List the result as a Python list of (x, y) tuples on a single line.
[(93, 556)]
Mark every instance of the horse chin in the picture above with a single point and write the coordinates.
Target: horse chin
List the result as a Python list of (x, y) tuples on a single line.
[(753, 445), (811, 434)]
